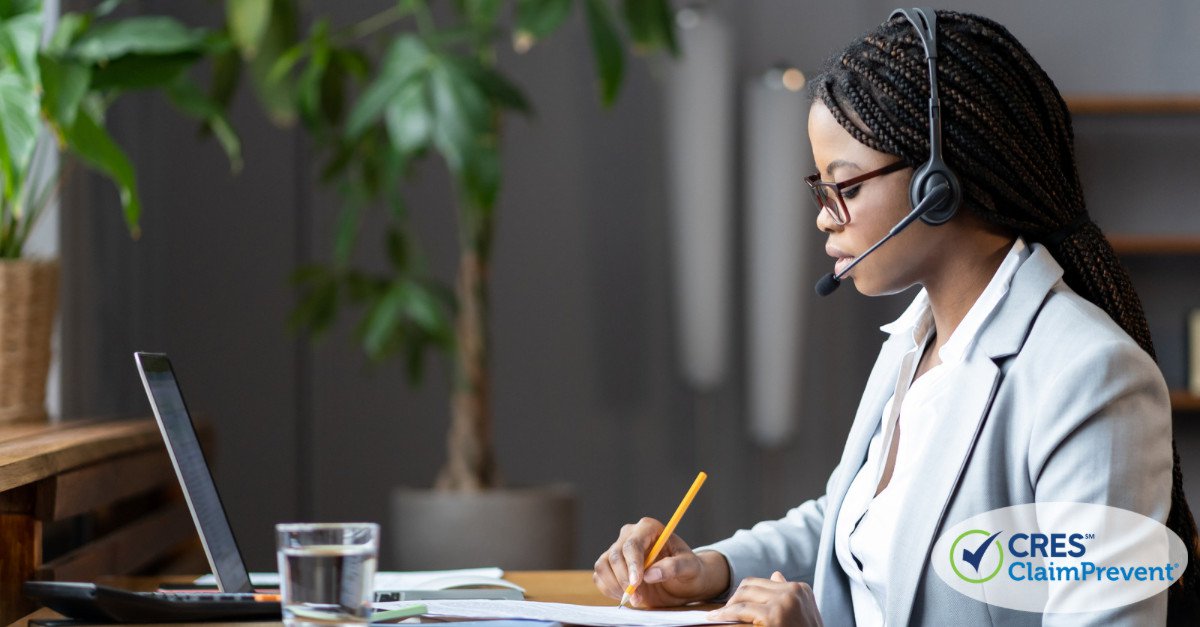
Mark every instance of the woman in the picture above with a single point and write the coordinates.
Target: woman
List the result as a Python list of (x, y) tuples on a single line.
[(1022, 372)]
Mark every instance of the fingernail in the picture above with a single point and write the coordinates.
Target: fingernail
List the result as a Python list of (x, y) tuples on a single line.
[(632, 575), (653, 575)]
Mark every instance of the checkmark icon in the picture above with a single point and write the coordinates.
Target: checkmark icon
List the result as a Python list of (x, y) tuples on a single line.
[(975, 557)]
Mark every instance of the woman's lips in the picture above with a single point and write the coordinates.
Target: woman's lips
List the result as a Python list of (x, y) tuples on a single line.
[(841, 263), (843, 258)]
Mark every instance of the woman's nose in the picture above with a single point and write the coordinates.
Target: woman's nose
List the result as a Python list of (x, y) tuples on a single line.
[(826, 223)]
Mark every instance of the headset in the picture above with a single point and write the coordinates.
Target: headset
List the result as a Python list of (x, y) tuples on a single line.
[(935, 192), (933, 172)]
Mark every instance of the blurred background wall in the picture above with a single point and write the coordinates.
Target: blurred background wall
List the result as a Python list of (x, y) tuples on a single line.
[(586, 388)]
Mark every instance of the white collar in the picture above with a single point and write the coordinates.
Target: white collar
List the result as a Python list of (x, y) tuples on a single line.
[(918, 318)]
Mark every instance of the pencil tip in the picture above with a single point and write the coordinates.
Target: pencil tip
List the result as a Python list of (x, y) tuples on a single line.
[(624, 600)]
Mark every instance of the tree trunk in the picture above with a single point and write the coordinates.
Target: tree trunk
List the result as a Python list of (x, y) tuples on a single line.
[(470, 464)]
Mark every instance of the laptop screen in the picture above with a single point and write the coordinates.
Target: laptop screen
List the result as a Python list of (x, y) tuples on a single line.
[(192, 470)]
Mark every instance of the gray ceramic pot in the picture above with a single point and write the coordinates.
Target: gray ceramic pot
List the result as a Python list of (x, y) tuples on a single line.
[(513, 528)]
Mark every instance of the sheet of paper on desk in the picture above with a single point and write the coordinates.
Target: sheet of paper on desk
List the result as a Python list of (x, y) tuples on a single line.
[(386, 580), (562, 612)]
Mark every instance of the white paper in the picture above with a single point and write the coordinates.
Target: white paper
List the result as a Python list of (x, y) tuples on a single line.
[(391, 580), (565, 613)]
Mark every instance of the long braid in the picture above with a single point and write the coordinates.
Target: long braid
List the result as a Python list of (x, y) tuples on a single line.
[(1007, 133)]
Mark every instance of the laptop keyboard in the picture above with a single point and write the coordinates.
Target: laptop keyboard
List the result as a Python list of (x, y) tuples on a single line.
[(201, 597)]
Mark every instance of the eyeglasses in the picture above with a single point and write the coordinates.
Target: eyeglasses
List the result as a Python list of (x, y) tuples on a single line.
[(829, 195)]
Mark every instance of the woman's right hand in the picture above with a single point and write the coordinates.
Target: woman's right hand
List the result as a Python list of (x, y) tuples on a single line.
[(679, 576)]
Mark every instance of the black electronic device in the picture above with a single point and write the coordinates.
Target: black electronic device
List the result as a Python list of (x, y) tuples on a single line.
[(179, 434), (235, 598), (101, 604), (934, 172)]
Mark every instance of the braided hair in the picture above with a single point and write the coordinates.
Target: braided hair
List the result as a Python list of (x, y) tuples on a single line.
[(1007, 133)]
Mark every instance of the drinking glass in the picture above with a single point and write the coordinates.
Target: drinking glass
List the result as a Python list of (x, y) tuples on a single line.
[(326, 571)]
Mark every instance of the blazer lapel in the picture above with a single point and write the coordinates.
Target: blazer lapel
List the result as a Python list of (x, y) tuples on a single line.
[(880, 386), (974, 383)]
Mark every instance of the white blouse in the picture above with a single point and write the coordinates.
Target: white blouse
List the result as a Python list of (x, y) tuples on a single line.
[(866, 521)]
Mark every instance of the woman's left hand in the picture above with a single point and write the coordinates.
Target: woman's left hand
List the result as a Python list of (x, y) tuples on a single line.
[(770, 602)]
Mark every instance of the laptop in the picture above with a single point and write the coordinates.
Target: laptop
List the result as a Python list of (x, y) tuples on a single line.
[(235, 597), (220, 547)]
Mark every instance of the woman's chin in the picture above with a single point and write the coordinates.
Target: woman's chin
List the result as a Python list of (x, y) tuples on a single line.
[(866, 287)]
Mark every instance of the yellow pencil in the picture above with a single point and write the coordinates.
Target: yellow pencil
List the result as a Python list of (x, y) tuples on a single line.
[(667, 531)]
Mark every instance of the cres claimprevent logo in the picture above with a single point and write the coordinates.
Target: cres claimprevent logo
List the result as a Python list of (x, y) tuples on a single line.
[(1059, 557), (976, 557)]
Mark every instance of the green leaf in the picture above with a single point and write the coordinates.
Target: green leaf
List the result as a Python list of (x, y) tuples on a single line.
[(539, 18), (151, 35), (70, 26), (333, 91), (18, 129), (405, 60), (651, 24), (347, 233), (361, 287), (354, 61), (142, 71), (248, 21), (108, 6), (383, 319), (227, 70), (481, 14), (193, 102), (461, 113), (409, 121), (96, 147), (397, 249), (276, 95), (498, 87), (318, 304), (309, 85), (424, 309), (64, 84), (287, 62), (19, 38), (13, 8), (606, 48), (396, 163), (481, 177)]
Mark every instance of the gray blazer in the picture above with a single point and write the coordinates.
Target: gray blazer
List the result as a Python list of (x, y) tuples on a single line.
[(1057, 403)]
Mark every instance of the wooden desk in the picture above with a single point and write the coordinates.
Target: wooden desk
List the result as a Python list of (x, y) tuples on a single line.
[(81, 499), (559, 586)]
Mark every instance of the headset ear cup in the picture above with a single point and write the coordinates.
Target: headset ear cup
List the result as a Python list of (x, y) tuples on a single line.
[(927, 177)]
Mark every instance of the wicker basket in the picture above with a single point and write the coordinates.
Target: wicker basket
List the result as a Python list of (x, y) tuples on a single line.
[(28, 297)]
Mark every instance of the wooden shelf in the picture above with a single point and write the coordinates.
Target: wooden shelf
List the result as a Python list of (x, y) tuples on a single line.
[(1177, 104), (1156, 244), (1183, 400)]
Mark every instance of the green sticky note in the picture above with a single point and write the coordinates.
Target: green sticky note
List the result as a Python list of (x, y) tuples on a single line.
[(403, 612)]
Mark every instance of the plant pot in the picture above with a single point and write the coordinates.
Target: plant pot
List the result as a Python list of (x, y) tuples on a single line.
[(28, 298), (513, 528)]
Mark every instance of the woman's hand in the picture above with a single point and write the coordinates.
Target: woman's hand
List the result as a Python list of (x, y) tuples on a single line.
[(679, 576), (770, 603)]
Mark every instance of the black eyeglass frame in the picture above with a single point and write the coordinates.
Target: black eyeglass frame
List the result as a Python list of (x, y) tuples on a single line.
[(818, 187)]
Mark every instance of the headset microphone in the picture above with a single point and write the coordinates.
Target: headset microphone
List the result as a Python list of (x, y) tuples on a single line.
[(830, 282)]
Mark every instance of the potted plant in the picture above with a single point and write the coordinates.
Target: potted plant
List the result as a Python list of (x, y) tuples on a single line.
[(426, 84), (53, 97)]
